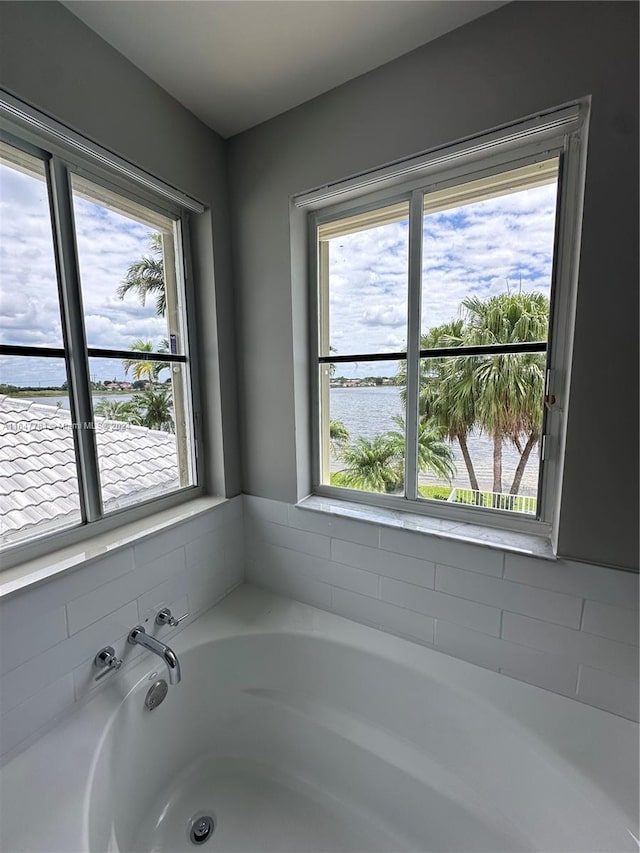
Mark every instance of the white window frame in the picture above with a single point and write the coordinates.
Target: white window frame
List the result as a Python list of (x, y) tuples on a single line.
[(558, 132), (64, 153)]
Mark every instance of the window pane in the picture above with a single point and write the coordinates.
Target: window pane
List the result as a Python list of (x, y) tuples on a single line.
[(363, 275), (29, 308), (38, 481), (363, 425), (485, 243), (489, 411), (127, 257), (145, 448)]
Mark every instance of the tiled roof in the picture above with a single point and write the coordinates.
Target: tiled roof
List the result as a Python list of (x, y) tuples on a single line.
[(38, 483)]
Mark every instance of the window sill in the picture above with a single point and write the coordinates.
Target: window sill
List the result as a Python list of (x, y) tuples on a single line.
[(516, 542), (41, 569)]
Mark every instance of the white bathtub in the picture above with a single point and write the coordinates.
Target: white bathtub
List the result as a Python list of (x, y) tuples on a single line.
[(301, 731)]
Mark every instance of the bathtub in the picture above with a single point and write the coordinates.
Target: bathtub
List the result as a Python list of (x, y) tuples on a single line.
[(297, 730)]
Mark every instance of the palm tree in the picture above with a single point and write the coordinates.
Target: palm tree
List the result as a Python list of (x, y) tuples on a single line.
[(146, 277), (509, 388), (447, 394), (146, 369), (338, 435), (115, 410), (377, 464), (153, 410), (433, 453), (502, 394), (372, 465)]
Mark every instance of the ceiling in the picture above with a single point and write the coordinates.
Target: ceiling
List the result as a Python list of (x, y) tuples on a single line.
[(236, 63)]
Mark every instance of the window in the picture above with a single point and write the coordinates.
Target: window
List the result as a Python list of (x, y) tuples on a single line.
[(96, 406), (443, 292)]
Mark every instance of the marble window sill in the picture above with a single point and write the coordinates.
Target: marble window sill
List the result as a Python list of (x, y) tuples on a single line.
[(474, 534)]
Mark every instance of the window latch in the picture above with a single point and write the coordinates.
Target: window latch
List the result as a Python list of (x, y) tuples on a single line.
[(549, 398)]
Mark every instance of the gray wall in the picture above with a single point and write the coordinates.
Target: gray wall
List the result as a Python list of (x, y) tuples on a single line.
[(54, 62), (520, 59)]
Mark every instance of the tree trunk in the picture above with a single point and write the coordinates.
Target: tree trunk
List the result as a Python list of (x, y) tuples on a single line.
[(497, 464), (522, 464), (473, 480)]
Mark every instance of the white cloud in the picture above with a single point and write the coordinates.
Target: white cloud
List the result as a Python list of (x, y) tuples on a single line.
[(108, 244), (478, 250)]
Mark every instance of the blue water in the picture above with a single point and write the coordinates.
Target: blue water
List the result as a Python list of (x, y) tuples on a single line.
[(369, 412)]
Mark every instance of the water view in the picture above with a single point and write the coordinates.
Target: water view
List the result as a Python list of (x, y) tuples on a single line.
[(369, 411)]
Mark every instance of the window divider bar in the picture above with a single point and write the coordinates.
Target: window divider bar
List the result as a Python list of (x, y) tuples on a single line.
[(136, 355), (369, 356), (485, 349), (75, 339), (413, 345), (41, 352), (436, 352)]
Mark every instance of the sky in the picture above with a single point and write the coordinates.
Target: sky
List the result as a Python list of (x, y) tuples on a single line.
[(480, 249), (29, 313)]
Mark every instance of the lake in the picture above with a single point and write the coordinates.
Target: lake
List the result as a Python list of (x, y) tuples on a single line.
[(369, 412), (63, 402)]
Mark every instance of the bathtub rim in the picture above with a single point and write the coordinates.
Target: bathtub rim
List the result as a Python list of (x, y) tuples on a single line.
[(252, 611)]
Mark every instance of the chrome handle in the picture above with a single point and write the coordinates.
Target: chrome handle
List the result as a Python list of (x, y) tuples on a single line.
[(164, 617), (106, 659)]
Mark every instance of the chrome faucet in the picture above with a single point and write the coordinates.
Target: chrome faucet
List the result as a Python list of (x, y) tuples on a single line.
[(138, 636)]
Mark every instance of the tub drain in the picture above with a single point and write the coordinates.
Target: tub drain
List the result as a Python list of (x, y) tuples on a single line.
[(201, 829)]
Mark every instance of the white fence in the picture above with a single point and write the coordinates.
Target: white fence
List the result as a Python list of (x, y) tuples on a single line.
[(497, 500)]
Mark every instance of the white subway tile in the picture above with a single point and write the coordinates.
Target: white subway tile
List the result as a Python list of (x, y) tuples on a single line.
[(22, 639), (151, 602), (206, 548), (23, 681), (232, 534), (313, 522), (94, 605), (608, 691), (607, 620), (611, 586), (234, 556), (399, 566), (553, 672), (290, 584), (206, 585), (597, 652), (160, 544), (319, 569), (25, 719), (235, 509), (102, 601), (474, 558), (442, 606), (56, 592), (518, 598), (288, 537), (263, 509), (330, 525), (381, 614), (84, 675)]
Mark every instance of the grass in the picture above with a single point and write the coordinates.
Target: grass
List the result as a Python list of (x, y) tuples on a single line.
[(441, 493), (437, 493)]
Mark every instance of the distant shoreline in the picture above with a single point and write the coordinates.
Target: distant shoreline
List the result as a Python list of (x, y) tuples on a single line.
[(61, 392)]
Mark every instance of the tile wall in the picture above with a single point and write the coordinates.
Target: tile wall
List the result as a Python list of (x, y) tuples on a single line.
[(568, 627), (50, 634)]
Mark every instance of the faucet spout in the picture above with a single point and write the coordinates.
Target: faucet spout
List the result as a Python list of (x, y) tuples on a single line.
[(138, 636)]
